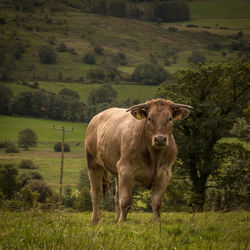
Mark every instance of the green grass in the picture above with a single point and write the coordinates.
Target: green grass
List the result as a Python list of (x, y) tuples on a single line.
[(139, 92), (43, 155), (43, 230), (219, 9)]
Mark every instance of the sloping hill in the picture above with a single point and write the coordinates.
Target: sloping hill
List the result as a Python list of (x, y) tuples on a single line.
[(125, 43)]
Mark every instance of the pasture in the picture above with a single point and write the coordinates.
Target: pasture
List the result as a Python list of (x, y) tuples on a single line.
[(46, 230), (43, 155)]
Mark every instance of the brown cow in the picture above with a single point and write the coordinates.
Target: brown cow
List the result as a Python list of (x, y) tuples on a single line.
[(135, 145)]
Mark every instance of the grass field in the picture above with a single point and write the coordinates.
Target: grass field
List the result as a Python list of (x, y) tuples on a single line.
[(44, 230), (139, 92), (43, 155)]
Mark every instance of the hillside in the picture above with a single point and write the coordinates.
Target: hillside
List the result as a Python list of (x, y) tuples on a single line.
[(213, 30)]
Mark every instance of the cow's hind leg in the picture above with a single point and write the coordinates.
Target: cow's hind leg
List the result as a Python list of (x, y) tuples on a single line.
[(117, 209), (95, 172)]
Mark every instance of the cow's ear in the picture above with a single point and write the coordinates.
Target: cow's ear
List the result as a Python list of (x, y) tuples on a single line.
[(139, 114), (180, 113)]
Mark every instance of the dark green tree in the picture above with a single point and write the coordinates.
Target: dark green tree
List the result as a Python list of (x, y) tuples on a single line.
[(103, 94), (216, 92), (149, 74), (6, 95), (69, 93), (8, 180), (27, 138), (47, 55)]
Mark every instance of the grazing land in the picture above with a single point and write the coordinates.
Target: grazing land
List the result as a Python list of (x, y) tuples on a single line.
[(43, 155), (37, 229)]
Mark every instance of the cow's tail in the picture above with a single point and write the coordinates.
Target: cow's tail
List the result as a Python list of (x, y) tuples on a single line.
[(105, 183)]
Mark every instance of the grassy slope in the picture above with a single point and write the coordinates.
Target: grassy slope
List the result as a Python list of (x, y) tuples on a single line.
[(137, 39), (36, 230)]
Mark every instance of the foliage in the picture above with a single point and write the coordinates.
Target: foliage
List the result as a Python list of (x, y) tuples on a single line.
[(118, 8), (6, 95), (98, 49), (171, 11), (103, 94), (62, 47), (10, 147), (197, 57), (96, 74), (17, 50), (68, 198), (215, 91), (8, 180), (47, 55), (27, 138), (149, 74), (69, 93), (58, 147), (89, 58), (232, 177), (25, 178), (27, 164), (43, 190), (83, 200), (241, 129)]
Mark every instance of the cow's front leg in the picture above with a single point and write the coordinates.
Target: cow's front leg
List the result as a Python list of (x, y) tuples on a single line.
[(158, 191), (125, 183)]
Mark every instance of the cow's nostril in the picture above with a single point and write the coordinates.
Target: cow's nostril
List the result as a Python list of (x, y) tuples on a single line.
[(160, 140)]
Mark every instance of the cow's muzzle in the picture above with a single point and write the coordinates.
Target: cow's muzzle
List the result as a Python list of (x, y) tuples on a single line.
[(160, 141)]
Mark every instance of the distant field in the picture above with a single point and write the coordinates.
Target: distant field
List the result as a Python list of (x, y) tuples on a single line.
[(46, 230), (43, 155), (139, 92)]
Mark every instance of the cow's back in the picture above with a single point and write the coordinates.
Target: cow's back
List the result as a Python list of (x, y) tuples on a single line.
[(105, 135)]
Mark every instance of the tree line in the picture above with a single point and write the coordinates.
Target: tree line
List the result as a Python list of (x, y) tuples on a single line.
[(64, 106)]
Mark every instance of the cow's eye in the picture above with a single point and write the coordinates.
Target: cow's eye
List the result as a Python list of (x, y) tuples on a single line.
[(170, 119), (149, 119)]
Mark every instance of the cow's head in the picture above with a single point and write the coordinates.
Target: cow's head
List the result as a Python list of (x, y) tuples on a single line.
[(159, 115)]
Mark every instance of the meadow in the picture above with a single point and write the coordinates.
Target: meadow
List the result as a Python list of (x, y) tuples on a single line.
[(45, 230), (43, 155)]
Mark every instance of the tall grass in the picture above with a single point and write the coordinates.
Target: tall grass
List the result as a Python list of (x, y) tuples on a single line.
[(36, 230)]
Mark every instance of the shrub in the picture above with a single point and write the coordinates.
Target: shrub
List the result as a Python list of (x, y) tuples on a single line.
[(192, 26), (83, 200), (25, 178), (58, 147), (17, 50), (6, 95), (149, 74), (11, 148), (97, 74), (68, 198), (89, 58), (2, 20), (197, 57), (72, 51), (27, 138), (43, 190), (8, 180), (47, 55), (118, 8), (62, 47), (69, 93), (98, 49), (27, 164)]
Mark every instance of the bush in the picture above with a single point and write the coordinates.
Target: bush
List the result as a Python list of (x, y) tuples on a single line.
[(2, 20), (83, 200), (27, 164), (8, 180), (62, 47), (47, 55), (197, 57), (118, 8), (149, 74), (89, 58), (98, 49), (27, 138), (11, 148), (25, 178), (72, 51), (58, 147), (97, 74), (69, 93), (6, 95), (17, 50), (43, 190)]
